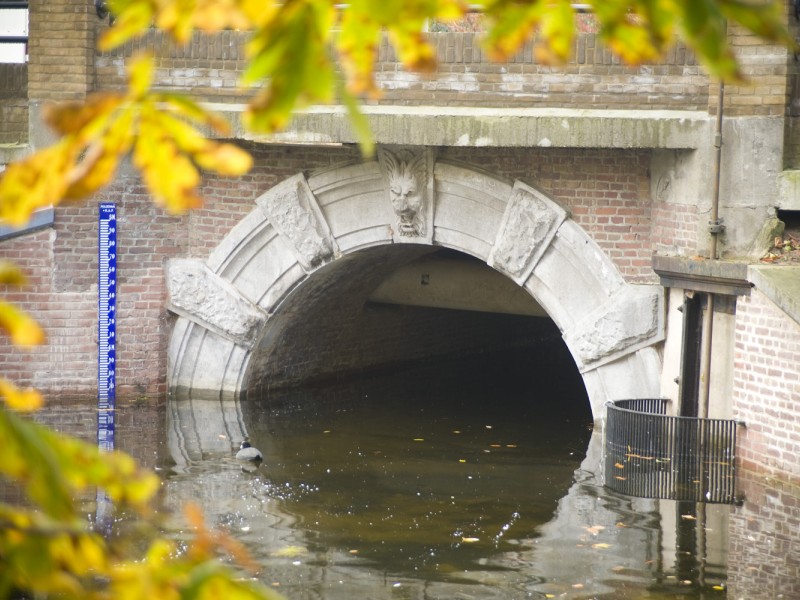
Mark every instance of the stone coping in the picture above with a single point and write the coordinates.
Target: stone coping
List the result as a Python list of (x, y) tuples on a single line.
[(489, 127), (12, 152), (781, 284), (713, 276)]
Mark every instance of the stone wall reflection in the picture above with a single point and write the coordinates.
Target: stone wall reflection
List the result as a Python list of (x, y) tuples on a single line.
[(595, 543)]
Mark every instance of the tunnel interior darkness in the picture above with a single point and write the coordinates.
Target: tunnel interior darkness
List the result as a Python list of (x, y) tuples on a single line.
[(330, 330)]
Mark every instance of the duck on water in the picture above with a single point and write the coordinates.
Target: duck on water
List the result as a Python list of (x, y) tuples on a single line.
[(248, 453)]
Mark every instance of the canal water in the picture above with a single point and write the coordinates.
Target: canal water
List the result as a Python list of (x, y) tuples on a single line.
[(414, 486)]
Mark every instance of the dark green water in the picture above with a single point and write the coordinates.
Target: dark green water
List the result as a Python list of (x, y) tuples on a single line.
[(415, 486), (382, 490)]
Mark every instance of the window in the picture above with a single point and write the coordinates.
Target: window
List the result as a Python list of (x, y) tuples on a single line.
[(13, 31)]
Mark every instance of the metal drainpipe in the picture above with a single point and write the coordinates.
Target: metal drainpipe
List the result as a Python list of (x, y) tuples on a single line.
[(715, 228), (715, 225)]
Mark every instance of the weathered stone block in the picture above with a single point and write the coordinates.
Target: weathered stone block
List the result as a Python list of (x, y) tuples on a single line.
[(632, 319), (529, 225), (197, 293)]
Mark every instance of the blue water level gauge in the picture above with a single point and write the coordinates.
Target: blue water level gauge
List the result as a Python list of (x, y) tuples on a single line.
[(107, 325), (107, 348)]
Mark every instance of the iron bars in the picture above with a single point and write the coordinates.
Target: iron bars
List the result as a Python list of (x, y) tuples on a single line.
[(652, 455)]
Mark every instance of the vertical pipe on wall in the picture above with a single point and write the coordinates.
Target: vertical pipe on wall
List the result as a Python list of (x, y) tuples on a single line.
[(715, 226)]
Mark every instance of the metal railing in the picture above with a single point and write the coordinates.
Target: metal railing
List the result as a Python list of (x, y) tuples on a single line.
[(652, 455)]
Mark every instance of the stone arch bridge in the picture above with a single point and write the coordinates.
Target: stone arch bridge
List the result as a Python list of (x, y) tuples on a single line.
[(307, 235)]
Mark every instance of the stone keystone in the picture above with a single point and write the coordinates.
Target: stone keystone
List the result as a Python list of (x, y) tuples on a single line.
[(197, 293), (293, 210), (529, 224), (409, 185), (633, 318)]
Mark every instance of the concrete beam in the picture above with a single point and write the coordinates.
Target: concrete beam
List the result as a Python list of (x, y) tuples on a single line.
[(489, 127), (11, 152), (781, 284)]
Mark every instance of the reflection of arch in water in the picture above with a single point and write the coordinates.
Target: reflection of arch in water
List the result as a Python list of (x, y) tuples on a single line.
[(200, 427), (232, 306), (550, 561)]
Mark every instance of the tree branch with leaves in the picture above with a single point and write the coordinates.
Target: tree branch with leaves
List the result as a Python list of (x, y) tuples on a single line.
[(300, 53)]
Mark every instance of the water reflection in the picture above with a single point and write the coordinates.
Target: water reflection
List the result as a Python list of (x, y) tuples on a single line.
[(369, 499), (369, 493)]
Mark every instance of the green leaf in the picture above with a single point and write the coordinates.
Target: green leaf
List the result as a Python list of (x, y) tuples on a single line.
[(366, 141)]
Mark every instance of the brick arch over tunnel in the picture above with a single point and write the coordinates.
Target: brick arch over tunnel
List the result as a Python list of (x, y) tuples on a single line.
[(232, 306)]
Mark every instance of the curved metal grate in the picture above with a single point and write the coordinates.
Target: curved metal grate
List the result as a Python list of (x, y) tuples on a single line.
[(652, 455)]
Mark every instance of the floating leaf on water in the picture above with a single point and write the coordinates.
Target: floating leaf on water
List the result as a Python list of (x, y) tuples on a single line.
[(619, 466), (511, 445), (470, 540), (419, 439), (290, 552), (601, 546), (595, 529), (577, 586), (456, 431), (689, 517), (620, 477), (462, 460)]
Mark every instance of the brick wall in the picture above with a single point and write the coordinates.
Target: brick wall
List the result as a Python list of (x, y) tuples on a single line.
[(764, 540), (674, 229), (209, 68), (766, 69), (766, 386), (606, 191), (60, 47), (13, 103)]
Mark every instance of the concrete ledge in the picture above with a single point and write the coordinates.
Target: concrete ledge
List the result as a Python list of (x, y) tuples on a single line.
[(489, 127), (713, 276), (12, 152), (781, 284)]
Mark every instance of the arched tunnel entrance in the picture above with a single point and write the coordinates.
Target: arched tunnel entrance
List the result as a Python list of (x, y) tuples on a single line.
[(417, 317), (465, 308), (381, 265)]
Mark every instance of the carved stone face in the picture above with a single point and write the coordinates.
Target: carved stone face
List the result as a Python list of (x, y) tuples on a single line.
[(406, 201)]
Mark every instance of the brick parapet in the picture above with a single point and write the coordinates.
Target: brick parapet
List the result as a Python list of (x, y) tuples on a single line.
[(209, 68), (768, 70)]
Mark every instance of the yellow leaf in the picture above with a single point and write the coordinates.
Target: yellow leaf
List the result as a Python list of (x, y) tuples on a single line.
[(27, 400), (601, 546), (10, 274), (135, 19), (24, 331), (290, 552), (140, 74), (73, 117), (225, 159), (36, 181)]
